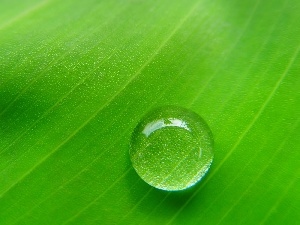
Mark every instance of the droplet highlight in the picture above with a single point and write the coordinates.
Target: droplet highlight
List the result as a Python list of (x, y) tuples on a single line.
[(171, 148)]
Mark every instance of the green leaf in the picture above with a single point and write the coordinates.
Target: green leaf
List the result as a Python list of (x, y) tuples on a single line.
[(77, 76)]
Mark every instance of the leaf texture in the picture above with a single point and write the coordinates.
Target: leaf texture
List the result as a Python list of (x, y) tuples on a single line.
[(76, 77)]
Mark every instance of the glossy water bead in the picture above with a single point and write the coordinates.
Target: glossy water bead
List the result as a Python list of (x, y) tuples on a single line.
[(171, 148)]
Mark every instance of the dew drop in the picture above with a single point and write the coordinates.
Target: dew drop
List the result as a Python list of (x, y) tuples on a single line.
[(171, 148)]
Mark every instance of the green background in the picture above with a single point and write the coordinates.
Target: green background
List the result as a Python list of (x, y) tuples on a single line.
[(76, 77)]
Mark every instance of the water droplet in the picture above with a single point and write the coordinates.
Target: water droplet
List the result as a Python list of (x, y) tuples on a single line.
[(171, 148)]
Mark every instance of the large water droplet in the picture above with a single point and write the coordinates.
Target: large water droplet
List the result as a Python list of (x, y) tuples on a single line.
[(171, 148)]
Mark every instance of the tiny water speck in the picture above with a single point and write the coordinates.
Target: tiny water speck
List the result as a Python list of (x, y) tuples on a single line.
[(171, 148)]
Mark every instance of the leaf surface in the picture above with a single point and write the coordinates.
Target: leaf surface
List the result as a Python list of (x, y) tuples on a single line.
[(77, 76)]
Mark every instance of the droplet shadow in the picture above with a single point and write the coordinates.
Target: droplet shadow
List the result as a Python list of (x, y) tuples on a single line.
[(155, 202)]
